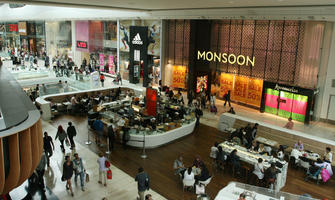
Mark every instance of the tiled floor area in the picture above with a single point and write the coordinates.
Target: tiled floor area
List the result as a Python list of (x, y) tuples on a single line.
[(122, 186)]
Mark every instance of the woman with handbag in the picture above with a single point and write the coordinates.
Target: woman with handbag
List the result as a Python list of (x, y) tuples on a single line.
[(62, 136), (79, 170), (67, 173)]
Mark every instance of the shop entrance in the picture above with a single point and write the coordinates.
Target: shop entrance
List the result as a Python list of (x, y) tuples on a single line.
[(286, 104)]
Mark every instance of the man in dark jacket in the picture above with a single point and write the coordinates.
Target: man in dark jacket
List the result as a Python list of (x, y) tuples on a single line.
[(71, 132), (143, 182)]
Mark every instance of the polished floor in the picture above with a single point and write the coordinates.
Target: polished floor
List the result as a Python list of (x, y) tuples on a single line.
[(159, 163), (122, 186)]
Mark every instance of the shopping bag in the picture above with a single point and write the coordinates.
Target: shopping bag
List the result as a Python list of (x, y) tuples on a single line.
[(199, 189), (87, 178), (107, 164), (109, 174), (325, 175)]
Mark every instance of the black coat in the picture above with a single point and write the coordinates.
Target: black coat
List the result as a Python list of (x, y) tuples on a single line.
[(71, 131)]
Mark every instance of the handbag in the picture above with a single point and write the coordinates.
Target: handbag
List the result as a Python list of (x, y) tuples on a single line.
[(63, 178), (87, 178), (199, 189), (109, 174), (67, 142)]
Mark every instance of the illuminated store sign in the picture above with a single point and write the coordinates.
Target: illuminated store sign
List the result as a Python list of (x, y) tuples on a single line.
[(82, 44), (224, 58), (278, 87), (12, 27)]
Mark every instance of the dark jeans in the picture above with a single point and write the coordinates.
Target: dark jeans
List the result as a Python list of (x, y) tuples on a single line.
[(62, 145), (72, 141), (225, 102), (40, 178), (111, 143), (197, 122)]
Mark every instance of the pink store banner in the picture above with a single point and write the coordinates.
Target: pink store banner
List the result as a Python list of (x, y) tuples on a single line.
[(82, 34), (111, 65), (102, 61)]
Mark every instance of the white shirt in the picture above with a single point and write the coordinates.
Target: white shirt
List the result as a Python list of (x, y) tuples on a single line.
[(188, 176), (258, 170), (102, 163), (330, 156), (280, 155), (73, 100)]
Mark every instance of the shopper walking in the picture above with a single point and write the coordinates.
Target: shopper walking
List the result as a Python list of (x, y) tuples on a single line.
[(67, 173), (198, 114), (61, 135), (102, 169), (40, 171), (79, 170), (226, 98), (119, 78), (102, 80), (71, 132), (143, 182), (48, 146)]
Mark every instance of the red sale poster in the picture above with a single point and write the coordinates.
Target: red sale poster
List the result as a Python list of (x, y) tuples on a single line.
[(111, 65)]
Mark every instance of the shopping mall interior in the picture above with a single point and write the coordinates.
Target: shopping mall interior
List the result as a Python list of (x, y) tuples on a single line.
[(177, 100)]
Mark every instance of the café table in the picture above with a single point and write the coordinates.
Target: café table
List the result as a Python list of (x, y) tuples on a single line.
[(251, 157)]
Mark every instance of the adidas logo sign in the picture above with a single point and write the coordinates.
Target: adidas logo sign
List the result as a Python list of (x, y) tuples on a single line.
[(137, 39)]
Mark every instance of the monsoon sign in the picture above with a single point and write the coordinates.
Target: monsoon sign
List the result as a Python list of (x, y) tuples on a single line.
[(226, 58)]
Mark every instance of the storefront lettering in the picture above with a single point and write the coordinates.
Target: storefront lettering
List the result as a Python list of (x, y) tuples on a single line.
[(224, 58), (286, 89)]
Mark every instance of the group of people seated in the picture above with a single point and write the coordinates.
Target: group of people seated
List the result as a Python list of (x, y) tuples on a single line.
[(245, 136), (197, 172)]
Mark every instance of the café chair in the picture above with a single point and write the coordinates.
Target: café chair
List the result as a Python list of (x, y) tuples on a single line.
[(188, 183), (206, 182)]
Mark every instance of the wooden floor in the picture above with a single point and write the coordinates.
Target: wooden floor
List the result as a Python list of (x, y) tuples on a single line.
[(159, 163)]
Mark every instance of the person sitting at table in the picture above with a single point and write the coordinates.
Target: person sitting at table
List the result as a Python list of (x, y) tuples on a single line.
[(254, 131), (280, 154), (261, 149), (178, 165), (214, 151), (299, 146), (204, 174), (74, 103), (289, 124), (270, 175), (221, 157), (328, 156), (325, 165), (254, 146), (259, 169), (197, 162), (242, 196), (237, 133), (188, 175), (235, 160)]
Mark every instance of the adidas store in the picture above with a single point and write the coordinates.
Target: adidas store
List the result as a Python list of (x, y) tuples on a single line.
[(139, 52)]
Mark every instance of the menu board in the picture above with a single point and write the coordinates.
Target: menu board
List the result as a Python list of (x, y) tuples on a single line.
[(243, 89), (178, 76)]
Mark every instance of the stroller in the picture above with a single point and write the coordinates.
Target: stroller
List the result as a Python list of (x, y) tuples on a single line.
[(314, 172)]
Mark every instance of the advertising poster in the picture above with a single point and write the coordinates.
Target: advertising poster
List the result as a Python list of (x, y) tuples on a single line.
[(111, 65), (124, 35), (254, 94), (151, 102), (154, 27), (201, 83), (240, 89), (178, 76), (226, 83), (102, 61)]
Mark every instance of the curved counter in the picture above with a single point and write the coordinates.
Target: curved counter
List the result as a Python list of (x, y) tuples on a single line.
[(159, 139)]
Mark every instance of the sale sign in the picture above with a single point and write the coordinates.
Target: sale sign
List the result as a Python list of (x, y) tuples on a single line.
[(243, 89), (179, 76)]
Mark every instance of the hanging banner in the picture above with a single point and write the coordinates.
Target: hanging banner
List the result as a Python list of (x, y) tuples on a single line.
[(151, 101), (102, 61), (111, 65), (178, 76)]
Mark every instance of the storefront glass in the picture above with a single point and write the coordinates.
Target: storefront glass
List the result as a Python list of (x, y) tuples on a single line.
[(59, 38)]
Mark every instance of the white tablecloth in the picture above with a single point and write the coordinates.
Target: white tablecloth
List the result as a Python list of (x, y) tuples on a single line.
[(252, 158)]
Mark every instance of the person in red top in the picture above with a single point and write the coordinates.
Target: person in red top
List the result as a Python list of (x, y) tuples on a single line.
[(102, 80)]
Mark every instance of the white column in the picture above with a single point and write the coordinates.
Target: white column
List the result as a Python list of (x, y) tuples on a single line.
[(118, 46)]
